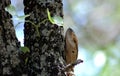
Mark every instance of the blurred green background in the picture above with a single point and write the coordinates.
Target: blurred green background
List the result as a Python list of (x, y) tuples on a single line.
[(96, 24)]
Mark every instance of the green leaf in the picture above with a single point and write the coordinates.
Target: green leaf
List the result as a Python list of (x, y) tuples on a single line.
[(11, 9), (24, 49), (49, 17), (58, 20), (54, 20), (26, 60), (22, 17)]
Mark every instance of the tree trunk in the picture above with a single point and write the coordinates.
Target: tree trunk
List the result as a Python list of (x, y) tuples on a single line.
[(9, 45), (44, 40)]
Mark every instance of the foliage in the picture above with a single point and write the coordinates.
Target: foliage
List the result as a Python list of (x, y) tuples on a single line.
[(55, 20), (11, 9), (24, 49)]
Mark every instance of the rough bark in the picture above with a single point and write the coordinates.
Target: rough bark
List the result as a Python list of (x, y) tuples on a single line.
[(9, 45), (45, 41)]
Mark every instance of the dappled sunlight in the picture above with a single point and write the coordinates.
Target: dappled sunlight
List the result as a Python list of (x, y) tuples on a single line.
[(99, 59)]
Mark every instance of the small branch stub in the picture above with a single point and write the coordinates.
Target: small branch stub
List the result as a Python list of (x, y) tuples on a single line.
[(73, 64)]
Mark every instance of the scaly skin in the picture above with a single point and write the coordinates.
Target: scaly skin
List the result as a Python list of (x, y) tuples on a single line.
[(71, 48)]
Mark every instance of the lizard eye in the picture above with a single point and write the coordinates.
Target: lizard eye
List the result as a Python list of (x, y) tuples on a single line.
[(73, 52)]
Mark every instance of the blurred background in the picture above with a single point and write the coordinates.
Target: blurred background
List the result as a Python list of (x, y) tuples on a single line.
[(96, 24)]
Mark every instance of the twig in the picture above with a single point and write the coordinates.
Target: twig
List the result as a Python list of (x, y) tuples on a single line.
[(72, 64)]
